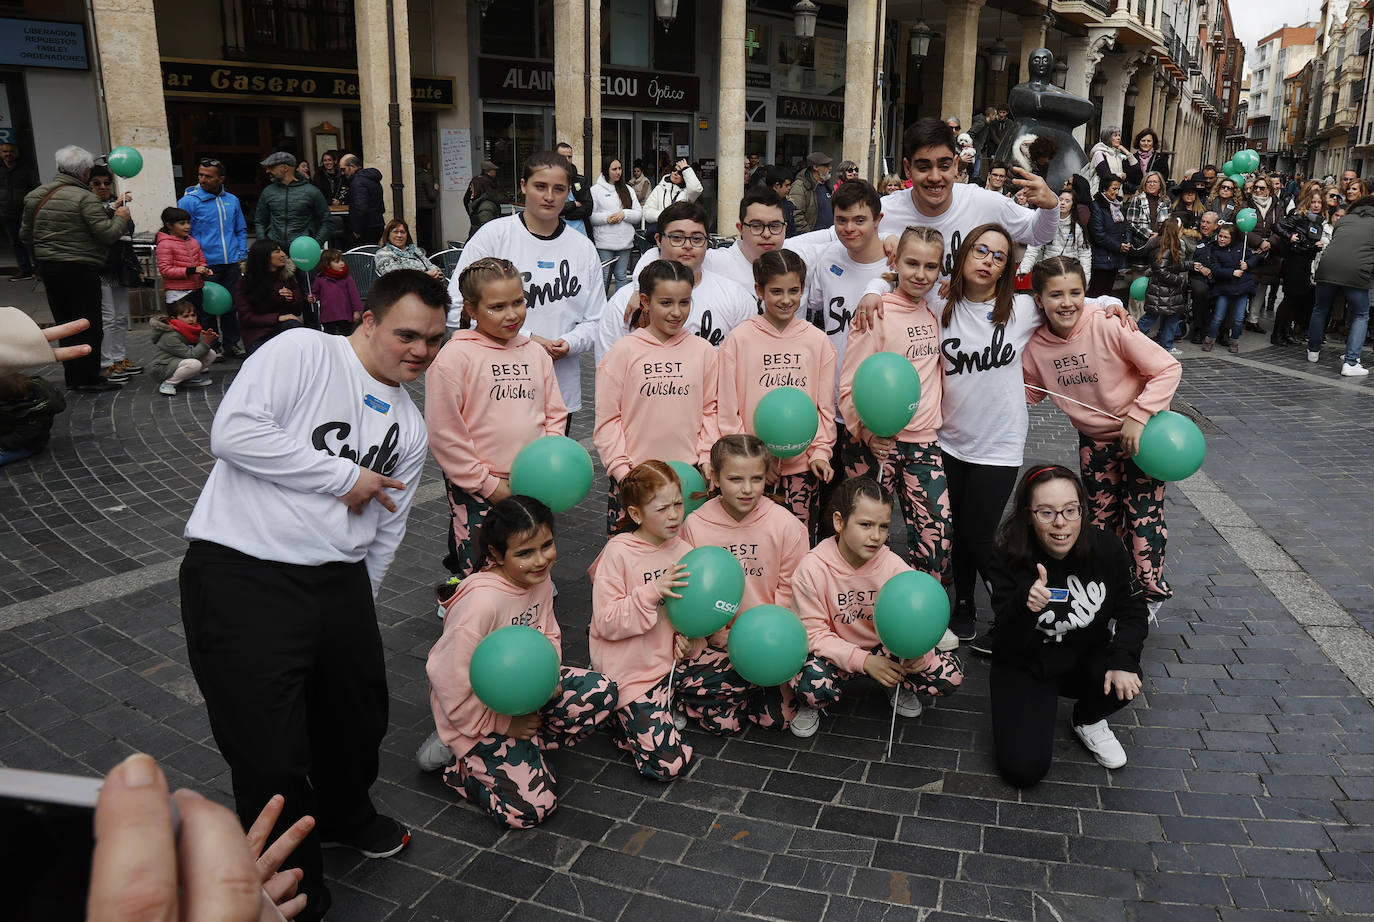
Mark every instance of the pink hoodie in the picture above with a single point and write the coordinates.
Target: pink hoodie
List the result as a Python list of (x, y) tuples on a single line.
[(1104, 365), (631, 636), (911, 330), (655, 400), (484, 602), (769, 543), (755, 359), (485, 401), (835, 601)]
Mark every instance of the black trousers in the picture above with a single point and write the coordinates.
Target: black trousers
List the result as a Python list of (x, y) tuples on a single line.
[(1104, 280), (1200, 291), (289, 659), (74, 292), (1024, 714), (227, 324), (977, 495)]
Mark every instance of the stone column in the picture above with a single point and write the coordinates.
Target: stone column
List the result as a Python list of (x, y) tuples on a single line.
[(451, 57), (569, 71), (1077, 79), (961, 58), (1114, 93), (131, 81), (859, 86), (1032, 37), (374, 91), (730, 117)]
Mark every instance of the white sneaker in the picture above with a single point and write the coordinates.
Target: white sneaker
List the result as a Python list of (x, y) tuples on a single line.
[(1102, 743), (1313, 356), (806, 723), (433, 754), (1153, 609), (167, 388), (1176, 351), (948, 643), (908, 704), (1353, 371), (679, 721)]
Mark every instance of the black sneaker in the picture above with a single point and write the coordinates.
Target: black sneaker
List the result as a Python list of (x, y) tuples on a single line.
[(382, 838), (982, 644), (963, 622)]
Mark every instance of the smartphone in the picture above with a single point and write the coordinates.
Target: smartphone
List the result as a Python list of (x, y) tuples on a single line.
[(45, 852), (1059, 595)]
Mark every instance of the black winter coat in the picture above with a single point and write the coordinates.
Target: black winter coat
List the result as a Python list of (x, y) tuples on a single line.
[(1225, 261), (1166, 293), (365, 205), (1107, 235)]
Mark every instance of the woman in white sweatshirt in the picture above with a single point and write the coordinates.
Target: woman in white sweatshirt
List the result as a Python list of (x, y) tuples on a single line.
[(1070, 239), (615, 215), (678, 184)]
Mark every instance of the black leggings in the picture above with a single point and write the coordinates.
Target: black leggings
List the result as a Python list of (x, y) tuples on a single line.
[(1024, 711), (977, 495)]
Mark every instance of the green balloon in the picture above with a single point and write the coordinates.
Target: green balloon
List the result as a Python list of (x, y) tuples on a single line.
[(554, 470), (886, 391), (1139, 287), (514, 670), (692, 482), (767, 645), (1228, 167), (786, 419), (305, 253), (215, 298), (715, 585), (911, 614), (1171, 447), (1246, 220), (1236, 178), (1246, 160), (125, 162)]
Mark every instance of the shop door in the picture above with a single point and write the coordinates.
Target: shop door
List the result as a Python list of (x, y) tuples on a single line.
[(617, 141), (238, 136), (793, 144), (508, 137), (662, 143)]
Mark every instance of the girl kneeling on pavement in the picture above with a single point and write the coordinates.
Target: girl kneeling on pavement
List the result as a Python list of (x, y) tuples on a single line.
[(501, 763), (1056, 585)]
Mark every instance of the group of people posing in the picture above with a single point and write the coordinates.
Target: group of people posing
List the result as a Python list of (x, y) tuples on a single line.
[(319, 450)]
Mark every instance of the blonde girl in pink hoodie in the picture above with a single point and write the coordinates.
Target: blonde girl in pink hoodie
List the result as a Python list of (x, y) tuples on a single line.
[(769, 542), (500, 765), (779, 349), (1085, 355), (656, 387), (833, 593), (489, 393), (632, 641), (910, 463)]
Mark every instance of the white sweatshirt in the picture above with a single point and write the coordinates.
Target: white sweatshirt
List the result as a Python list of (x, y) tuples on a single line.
[(301, 416), (563, 289), (606, 202), (835, 284), (718, 306)]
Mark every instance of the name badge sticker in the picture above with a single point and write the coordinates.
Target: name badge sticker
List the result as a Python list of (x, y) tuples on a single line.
[(836, 269), (545, 264), (1059, 595), (376, 403)]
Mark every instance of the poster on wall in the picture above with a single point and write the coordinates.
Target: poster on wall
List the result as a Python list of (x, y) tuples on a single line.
[(455, 155), (7, 135)]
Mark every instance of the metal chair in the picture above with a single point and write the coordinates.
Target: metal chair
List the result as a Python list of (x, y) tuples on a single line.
[(447, 259), (362, 267)]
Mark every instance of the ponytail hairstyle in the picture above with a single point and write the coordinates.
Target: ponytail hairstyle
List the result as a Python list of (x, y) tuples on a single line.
[(1053, 267), (650, 277), (619, 185), (773, 263), (546, 160), (639, 487), (1170, 240), (474, 279), (846, 496), (512, 518), (1004, 292), (1016, 537), (917, 234)]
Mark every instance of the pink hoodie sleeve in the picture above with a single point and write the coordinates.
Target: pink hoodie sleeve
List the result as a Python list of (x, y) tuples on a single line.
[(823, 446), (820, 630), (794, 546), (729, 412), (609, 434), (449, 439), (455, 705), (1161, 371), (1031, 373), (555, 410), (858, 347), (619, 610), (709, 433)]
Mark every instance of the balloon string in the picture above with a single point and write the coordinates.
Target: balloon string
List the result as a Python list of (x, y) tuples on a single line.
[(892, 728), (671, 669), (1071, 400)]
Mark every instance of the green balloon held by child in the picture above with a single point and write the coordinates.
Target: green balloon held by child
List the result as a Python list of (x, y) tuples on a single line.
[(1139, 287), (886, 392), (514, 670), (216, 299), (555, 470)]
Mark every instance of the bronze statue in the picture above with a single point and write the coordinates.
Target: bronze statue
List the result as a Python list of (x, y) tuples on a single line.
[(1042, 112)]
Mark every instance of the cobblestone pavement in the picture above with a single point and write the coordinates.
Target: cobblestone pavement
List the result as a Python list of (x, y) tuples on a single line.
[(1249, 794)]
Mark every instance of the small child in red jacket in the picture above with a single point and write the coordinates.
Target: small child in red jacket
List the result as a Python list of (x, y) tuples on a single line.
[(337, 294), (179, 258)]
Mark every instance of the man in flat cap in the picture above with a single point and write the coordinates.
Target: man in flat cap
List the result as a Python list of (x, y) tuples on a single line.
[(811, 194), (290, 207)]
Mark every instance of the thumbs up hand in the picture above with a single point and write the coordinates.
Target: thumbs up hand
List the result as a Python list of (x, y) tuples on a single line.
[(1039, 595)]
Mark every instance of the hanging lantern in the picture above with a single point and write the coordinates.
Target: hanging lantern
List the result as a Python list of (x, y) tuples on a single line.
[(666, 10), (804, 21), (1059, 74), (921, 35), (997, 56)]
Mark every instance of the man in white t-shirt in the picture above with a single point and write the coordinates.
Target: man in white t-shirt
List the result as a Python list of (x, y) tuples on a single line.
[(318, 452), (718, 304)]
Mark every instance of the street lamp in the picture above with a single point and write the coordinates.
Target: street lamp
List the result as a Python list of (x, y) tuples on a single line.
[(666, 10), (1132, 96), (804, 21), (1060, 74), (997, 56), (482, 6), (921, 35)]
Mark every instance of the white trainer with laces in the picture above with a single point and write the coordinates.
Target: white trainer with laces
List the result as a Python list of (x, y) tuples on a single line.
[(1102, 743), (433, 754), (908, 703), (1313, 356), (1353, 371), (806, 723), (948, 643)]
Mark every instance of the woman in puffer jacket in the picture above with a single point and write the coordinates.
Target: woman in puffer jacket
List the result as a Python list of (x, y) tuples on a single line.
[(1166, 298), (1110, 234), (1070, 239)]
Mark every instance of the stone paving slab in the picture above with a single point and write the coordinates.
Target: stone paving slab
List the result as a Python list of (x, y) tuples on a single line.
[(1249, 793)]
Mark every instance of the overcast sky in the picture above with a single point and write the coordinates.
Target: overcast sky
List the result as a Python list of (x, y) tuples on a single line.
[(1253, 21)]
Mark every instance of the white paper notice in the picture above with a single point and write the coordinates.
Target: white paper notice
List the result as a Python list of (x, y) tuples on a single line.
[(455, 156)]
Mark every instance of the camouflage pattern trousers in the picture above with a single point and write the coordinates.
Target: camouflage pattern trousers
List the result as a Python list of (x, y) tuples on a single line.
[(821, 683), (800, 493), (1129, 502), (511, 779), (644, 728), (465, 512), (915, 472), (720, 700)]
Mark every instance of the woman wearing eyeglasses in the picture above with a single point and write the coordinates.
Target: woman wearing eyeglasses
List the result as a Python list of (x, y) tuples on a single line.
[(1224, 200), (1110, 233), (1056, 587)]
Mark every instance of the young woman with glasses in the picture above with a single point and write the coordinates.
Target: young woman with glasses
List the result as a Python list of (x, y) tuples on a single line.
[(1225, 200), (1057, 587)]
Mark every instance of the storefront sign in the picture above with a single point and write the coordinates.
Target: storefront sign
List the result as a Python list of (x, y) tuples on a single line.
[(620, 89), (185, 78), (758, 80), (812, 110), (33, 43)]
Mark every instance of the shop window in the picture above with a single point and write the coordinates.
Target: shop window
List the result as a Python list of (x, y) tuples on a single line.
[(626, 27), (676, 48), (518, 29), (507, 139), (309, 31)]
